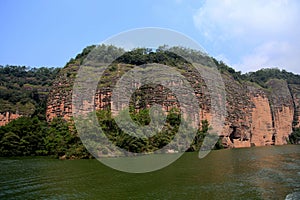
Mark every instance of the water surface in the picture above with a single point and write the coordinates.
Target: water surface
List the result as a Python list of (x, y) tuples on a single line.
[(251, 173)]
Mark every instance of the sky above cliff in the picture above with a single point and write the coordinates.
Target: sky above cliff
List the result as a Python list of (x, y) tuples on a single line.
[(247, 35)]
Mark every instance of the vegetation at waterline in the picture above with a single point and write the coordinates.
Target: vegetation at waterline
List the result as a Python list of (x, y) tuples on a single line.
[(134, 142), (29, 136), (295, 136)]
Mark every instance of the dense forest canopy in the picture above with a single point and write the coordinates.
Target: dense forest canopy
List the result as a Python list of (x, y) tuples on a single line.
[(174, 56), (24, 90), (264, 75)]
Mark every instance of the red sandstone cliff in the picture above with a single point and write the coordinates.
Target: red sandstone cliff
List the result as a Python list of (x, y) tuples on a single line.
[(282, 109), (256, 116), (7, 117)]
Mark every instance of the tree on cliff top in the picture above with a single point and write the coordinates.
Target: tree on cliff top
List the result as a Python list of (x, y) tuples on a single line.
[(262, 76)]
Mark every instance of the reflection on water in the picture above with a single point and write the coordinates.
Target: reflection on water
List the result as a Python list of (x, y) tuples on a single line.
[(251, 173)]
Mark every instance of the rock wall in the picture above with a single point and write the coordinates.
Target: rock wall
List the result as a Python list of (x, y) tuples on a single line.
[(60, 97), (282, 105), (295, 91), (256, 116), (262, 131), (7, 117), (236, 132)]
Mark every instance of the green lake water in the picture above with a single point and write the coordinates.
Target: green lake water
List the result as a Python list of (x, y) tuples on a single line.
[(250, 173)]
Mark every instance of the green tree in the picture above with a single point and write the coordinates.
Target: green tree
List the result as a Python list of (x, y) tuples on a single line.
[(294, 137), (200, 135), (23, 136)]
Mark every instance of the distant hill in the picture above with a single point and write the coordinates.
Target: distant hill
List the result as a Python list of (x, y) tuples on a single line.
[(24, 90)]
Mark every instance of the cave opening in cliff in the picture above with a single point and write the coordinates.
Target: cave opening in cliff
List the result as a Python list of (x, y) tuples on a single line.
[(233, 133)]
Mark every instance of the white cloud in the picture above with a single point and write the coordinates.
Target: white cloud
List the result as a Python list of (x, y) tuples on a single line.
[(273, 54), (253, 33)]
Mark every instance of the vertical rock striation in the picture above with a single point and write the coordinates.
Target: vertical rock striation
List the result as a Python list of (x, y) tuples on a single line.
[(282, 106), (262, 130), (257, 116)]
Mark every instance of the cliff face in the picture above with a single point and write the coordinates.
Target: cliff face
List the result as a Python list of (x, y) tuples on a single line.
[(282, 110), (257, 116), (262, 130), (237, 131), (60, 97), (7, 117), (295, 91)]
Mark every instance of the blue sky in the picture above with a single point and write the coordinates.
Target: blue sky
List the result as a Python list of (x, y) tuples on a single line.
[(248, 35)]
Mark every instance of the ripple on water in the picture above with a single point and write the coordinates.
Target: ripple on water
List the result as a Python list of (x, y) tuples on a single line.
[(268, 174)]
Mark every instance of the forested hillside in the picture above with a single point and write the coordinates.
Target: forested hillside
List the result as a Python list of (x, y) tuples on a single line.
[(24, 91)]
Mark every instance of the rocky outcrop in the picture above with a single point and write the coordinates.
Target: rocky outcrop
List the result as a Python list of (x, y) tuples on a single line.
[(295, 91), (7, 117), (237, 132), (262, 130), (282, 110), (257, 116), (60, 97)]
